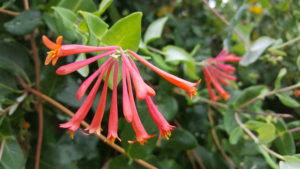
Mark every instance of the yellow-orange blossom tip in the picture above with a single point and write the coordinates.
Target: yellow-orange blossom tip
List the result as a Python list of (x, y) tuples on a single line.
[(53, 54), (193, 90)]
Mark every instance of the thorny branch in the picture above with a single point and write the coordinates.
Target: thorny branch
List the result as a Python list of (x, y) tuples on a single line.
[(84, 124)]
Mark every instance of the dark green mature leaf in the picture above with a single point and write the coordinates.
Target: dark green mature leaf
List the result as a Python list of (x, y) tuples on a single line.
[(123, 162), (288, 101), (298, 63), (125, 33), (14, 61), (257, 48), (284, 142), (181, 139), (24, 23), (155, 29), (75, 5), (103, 6), (12, 155), (249, 93), (65, 22)]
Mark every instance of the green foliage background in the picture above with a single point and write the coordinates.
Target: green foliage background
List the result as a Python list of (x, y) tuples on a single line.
[(175, 36)]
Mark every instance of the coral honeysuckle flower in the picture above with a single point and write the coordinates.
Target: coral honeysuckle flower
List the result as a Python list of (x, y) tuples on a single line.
[(58, 50), (216, 72), (131, 79)]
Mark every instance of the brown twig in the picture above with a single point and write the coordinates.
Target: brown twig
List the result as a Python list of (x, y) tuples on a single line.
[(217, 141), (256, 140), (8, 12), (6, 109), (268, 114), (84, 124), (189, 155), (224, 20), (198, 159), (38, 105)]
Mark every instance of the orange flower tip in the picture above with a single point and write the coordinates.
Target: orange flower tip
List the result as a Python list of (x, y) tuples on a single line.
[(112, 139), (225, 96), (141, 141), (71, 134)]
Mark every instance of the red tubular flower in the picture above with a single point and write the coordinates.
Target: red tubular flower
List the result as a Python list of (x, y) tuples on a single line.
[(141, 134), (59, 50), (113, 114), (74, 123), (72, 67), (164, 127), (95, 126), (84, 86), (217, 72), (131, 77), (185, 85), (126, 103)]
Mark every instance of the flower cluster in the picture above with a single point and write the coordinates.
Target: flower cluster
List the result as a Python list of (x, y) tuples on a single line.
[(216, 72), (131, 79)]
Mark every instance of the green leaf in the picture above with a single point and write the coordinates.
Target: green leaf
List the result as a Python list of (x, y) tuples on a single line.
[(298, 63), (96, 27), (235, 135), (12, 155), (66, 22), (181, 139), (155, 29), (249, 93), (24, 23), (75, 5), (85, 70), (288, 101), (125, 33), (280, 75), (289, 165), (103, 6), (123, 162), (168, 106), (256, 49), (266, 132), (174, 54), (14, 61)]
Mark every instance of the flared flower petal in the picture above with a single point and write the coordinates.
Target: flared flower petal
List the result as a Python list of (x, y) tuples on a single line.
[(164, 127), (113, 114), (181, 83), (72, 67), (58, 50)]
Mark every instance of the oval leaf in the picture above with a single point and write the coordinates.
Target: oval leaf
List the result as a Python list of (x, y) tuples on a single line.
[(155, 29)]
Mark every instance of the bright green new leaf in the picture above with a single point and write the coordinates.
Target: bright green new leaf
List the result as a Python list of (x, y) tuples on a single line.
[(96, 27), (256, 49), (75, 5), (24, 23), (125, 33), (280, 75), (288, 101), (155, 29), (103, 6)]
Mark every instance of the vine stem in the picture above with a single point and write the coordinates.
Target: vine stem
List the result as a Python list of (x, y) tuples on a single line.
[(38, 104), (83, 123), (270, 94), (217, 141), (256, 140), (224, 20), (8, 12), (290, 42)]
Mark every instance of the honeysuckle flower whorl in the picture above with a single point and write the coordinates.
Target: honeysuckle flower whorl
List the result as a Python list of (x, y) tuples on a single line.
[(131, 79), (216, 72)]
